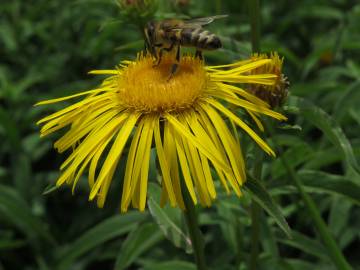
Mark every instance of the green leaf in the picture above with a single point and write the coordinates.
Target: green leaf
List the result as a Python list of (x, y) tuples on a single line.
[(138, 241), (320, 12), (168, 220), (348, 99), (50, 188), (8, 36), (329, 127), (305, 244), (322, 158), (299, 264), (17, 211), (6, 244), (262, 197), (339, 207), (12, 132), (227, 219), (326, 182), (108, 229), (355, 114), (296, 155), (268, 235), (173, 265)]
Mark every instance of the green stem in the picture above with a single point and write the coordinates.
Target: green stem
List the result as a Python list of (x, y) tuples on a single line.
[(255, 229), (239, 233), (329, 242), (194, 231), (218, 6), (254, 15), (255, 214)]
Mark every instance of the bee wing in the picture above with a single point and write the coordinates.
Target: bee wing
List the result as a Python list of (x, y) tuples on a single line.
[(202, 21), (191, 23)]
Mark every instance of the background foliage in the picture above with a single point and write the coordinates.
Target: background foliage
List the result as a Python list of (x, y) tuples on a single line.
[(46, 50)]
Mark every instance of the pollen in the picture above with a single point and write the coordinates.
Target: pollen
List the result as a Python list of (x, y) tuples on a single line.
[(146, 87)]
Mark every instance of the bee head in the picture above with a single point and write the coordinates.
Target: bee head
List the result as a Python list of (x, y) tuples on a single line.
[(149, 32)]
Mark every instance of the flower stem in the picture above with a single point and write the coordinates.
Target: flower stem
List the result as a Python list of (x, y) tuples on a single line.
[(218, 6), (254, 15), (329, 242), (194, 231), (255, 215)]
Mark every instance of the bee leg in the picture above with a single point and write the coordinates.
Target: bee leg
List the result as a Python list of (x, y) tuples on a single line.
[(198, 53), (175, 65), (161, 53), (158, 58), (170, 48)]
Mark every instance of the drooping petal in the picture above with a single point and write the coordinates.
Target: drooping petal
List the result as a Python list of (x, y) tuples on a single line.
[(244, 126), (164, 165)]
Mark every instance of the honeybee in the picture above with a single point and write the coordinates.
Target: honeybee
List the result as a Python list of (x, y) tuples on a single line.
[(170, 34)]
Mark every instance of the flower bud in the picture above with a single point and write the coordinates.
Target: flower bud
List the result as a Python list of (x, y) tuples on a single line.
[(276, 94)]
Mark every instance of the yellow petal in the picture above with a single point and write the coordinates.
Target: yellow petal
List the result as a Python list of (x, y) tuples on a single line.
[(185, 168), (183, 131), (165, 168), (55, 100), (125, 199), (244, 126), (115, 153)]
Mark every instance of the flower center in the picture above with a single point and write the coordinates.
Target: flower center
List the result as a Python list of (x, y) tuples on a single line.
[(148, 88)]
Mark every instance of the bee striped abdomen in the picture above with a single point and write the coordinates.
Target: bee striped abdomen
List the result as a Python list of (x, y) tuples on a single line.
[(199, 38), (186, 37)]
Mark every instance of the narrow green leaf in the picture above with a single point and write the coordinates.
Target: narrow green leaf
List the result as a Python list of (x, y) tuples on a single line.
[(108, 229), (348, 99), (173, 265), (138, 241), (296, 155), (329, 127), (3, 171), (262, 197), (49, 189), (12, 132), (168, 220), (322, 158), (355, 114), (268, 237), (327, 182), (320, 12), (306, 245), (298, 264), (7, 244), (17, 211), (227, 219), (339, 207)]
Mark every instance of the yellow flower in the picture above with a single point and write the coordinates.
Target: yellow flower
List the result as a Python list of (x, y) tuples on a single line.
[(186, 117)]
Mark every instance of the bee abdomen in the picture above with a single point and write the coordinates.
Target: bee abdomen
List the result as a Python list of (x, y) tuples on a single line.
[(187, 37), (210, 42), (199, 38), (207, 41)]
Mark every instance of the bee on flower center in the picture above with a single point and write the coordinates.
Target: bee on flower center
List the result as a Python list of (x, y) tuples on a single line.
[(171, 34)]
